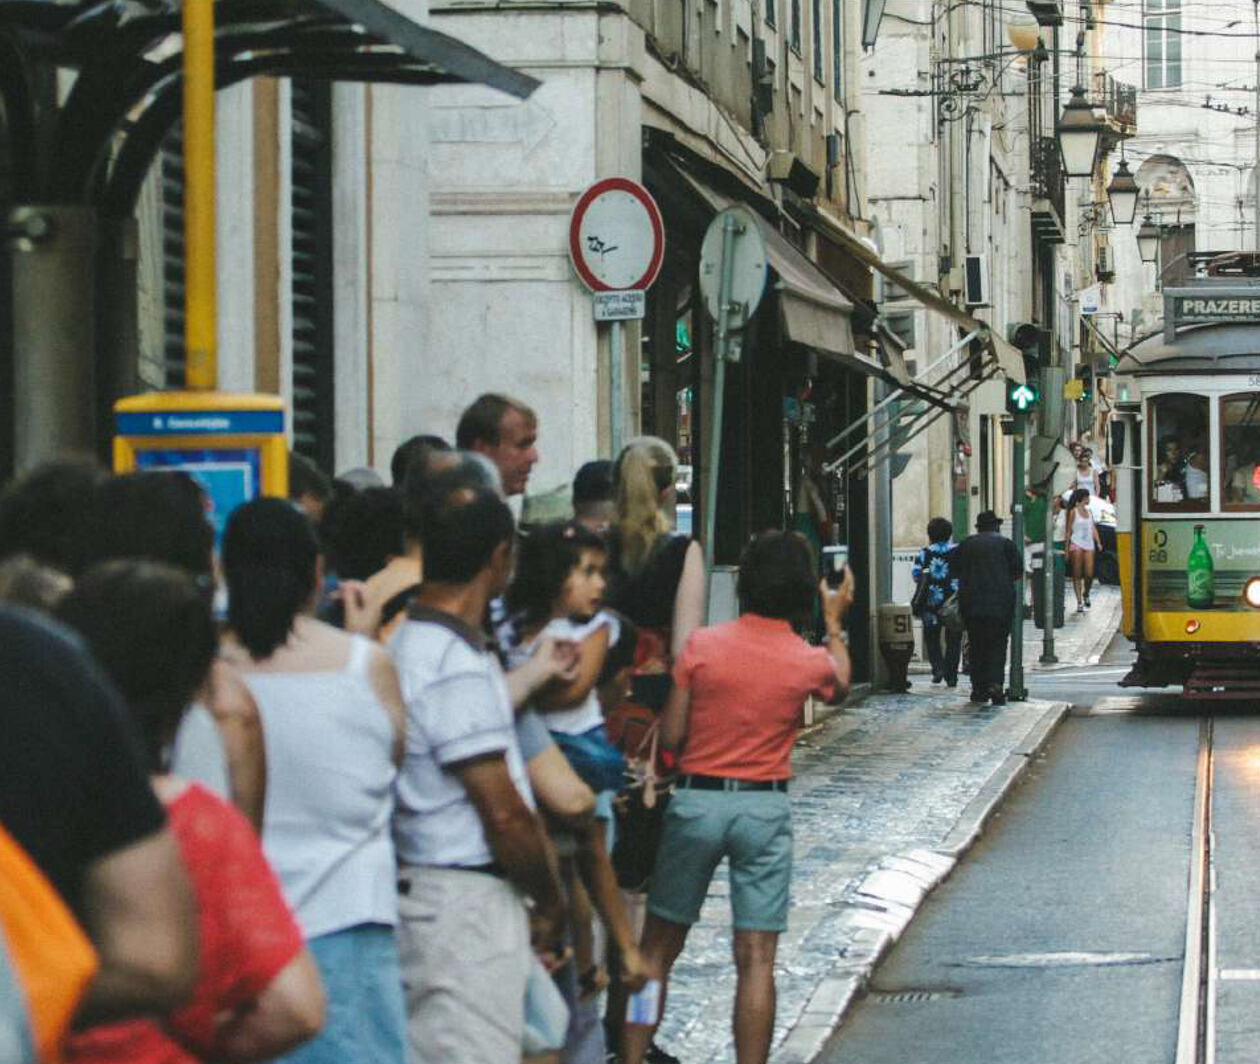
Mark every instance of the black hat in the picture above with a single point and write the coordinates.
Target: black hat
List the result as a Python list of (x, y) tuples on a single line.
[(988, 520)]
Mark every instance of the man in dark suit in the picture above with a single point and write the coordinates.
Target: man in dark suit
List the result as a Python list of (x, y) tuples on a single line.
[(987, 566)]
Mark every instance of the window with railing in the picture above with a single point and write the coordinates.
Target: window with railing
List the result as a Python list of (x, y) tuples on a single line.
[(1161, 31)]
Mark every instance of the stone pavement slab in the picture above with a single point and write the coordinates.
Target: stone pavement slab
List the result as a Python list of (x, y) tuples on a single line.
[(887, 796)]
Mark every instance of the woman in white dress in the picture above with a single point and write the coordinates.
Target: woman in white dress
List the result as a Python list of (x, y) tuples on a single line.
[(1082, 541)]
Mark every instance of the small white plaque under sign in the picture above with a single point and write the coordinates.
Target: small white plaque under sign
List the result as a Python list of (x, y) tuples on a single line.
[(626, 305)]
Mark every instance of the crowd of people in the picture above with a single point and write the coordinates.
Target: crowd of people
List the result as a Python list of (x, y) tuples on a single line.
[(383, 774)]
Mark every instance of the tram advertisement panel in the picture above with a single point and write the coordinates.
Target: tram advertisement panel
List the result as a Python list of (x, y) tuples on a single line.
[(1172, 553)]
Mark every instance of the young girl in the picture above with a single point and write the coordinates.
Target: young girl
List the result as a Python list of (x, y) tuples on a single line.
[(558, 592), (1082, 540)]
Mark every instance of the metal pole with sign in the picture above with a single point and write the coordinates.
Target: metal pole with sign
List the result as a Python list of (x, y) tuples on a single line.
[(733, 269), (1017, 692), (617, 245)]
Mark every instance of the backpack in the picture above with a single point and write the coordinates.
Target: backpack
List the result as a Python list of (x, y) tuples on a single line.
[(49, 957)]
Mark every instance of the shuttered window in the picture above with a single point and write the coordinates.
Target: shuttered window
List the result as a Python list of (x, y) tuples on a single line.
[(310, 211)]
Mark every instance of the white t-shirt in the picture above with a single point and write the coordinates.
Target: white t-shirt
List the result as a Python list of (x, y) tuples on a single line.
[(572, 720), (458, 708)]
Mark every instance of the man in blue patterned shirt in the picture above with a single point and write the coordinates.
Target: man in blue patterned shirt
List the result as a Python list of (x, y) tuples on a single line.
[(932, 564)]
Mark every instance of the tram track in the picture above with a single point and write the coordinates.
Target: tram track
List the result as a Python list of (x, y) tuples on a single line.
[(1196, 1041)]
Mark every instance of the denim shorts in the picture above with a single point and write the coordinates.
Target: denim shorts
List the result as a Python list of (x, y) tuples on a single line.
[(366, 1019), (753, 829)]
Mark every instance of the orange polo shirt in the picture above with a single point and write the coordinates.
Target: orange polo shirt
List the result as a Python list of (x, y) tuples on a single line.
[(748, 680)]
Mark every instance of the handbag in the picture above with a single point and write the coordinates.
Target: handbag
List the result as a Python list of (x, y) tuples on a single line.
[(919, 602), (640, 815), (950, 614)]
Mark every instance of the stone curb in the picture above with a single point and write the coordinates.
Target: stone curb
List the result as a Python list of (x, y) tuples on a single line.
[(887, 900)]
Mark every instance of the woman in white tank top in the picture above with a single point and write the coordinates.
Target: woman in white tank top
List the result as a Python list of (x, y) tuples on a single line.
[(332, 718), (1082, 541)]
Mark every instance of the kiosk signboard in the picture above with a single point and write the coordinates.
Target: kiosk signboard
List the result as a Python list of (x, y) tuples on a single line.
[(232, 445)]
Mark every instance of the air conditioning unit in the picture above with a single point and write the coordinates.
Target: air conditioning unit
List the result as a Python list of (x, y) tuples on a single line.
[(976, 281), (1106, 271)]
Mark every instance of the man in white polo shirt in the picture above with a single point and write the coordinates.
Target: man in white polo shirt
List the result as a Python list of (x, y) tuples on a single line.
[(470, 847)]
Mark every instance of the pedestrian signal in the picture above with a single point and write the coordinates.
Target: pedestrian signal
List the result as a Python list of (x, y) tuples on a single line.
[(1020, 398)]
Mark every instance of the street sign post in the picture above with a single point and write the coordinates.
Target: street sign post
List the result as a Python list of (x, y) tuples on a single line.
[(733, 269), (617, 245)]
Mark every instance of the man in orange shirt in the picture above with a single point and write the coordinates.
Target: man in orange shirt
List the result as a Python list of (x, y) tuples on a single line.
[(732, 716)]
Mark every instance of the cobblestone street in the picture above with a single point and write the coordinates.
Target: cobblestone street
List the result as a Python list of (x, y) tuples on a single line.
[(887, 795), (879, 792)]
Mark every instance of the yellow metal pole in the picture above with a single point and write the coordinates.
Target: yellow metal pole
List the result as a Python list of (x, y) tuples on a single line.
[(199, 249)]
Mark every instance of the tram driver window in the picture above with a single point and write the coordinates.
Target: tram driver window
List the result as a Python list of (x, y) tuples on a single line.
[(1240, 447), (1180, 453)]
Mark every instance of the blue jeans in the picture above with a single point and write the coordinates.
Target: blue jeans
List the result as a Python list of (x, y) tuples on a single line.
[(366, 1018)]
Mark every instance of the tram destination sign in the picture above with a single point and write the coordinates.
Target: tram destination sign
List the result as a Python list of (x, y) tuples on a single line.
[(1208, 303)]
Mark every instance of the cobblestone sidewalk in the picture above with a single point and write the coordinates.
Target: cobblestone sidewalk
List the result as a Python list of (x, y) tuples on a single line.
[(1081, 641), (888, 794), (1083, 637)]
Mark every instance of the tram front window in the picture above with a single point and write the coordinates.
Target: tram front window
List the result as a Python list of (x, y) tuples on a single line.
[(1180, 453), (1240, 446)]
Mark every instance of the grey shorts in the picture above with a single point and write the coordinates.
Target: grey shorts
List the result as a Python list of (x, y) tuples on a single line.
[(753, 829), (464, 944)]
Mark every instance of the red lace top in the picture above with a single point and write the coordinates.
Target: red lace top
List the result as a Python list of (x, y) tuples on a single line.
[(248, 936)]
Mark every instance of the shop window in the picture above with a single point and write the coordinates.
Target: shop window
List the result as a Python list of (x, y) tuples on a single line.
[(1179, 468), (1240, 451)]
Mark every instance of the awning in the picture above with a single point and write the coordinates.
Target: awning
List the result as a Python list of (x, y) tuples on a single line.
[(1007, 358), (129, 88), (815, 313)]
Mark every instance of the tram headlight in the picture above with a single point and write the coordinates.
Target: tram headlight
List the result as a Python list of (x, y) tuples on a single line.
[(1192, 626), (1251, 593)]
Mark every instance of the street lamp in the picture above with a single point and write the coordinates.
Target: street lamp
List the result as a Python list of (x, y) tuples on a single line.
[(1123, 194), (1023, 31), (1148, 240), (1078, 133)]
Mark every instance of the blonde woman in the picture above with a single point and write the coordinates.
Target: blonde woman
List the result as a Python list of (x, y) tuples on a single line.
[(657, 575), (656, 579)]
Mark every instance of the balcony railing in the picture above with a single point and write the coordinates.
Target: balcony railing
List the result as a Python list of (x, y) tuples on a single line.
[(1047, 174), (1117, 101)]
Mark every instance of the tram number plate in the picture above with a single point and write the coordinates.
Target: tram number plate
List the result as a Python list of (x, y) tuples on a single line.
[(1158, 553)]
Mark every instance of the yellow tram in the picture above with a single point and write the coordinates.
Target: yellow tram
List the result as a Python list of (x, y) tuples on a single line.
[(1185, 446)]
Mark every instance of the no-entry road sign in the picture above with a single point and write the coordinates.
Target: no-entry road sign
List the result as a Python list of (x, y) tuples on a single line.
[(616, 236)]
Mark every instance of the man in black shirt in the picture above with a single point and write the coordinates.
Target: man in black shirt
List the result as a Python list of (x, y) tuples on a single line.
[(987, 566), (75, 797)]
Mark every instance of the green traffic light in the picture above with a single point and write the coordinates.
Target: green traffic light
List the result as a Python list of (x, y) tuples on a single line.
[(1023, 397)]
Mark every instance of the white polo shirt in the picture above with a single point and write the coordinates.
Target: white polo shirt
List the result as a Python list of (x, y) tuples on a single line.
[(458, 708)]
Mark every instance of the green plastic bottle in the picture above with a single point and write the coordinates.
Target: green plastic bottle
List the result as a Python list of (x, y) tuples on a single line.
[(1200, 592)]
